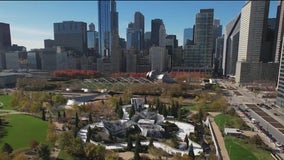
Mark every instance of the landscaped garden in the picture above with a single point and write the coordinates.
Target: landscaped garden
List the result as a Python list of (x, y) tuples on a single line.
[(21, 129), (242, 149), (5, 102), (228, 121)]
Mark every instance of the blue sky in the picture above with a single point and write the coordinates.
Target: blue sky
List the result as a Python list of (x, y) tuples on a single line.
[(32, 22)]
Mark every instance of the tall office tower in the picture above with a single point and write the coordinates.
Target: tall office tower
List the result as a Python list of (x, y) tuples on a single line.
[(5, 36), (158, 58), (171, 45), (135, 33), (155, 31), (92, 37), (279, 31), (204, 36), (139, 24), (162, 36), (217, 32), (253, 30), (108, 26), (71, 35), (218, 56), (187, 36), (280, 82), (231, 46), (269, 41), (199, 55), (5, 42), (147, 40), (133, 36)]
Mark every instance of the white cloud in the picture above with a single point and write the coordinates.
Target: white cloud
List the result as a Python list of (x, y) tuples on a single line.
[(30, 31), (29, 44)]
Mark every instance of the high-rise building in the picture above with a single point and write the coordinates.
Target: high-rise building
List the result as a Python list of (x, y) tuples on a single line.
[(218, 56), (231, 46), (187, 36), (71, 35), (135, 33), (139, 24), (279, 30), (217, 32), (147, 40), (155, 31), (162, 36), (199, 55), (5, 36), (92, 37), (108, 26), (158, 58), (253, 30), (5, 42), (280, 82)]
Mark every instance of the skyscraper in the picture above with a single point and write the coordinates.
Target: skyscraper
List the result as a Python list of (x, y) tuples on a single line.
[(231, 46), (135, 32), (187, 36), (162, 36), (92, 37), (71, 35), (5, 36), (5, 42), (253, 29), (133, 37), (199, 55), (139, 24), (155, 31), (280, 30), (108, 26)]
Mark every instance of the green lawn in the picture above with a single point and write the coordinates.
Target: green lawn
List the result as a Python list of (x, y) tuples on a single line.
[(23, 128), (6, 99), (238, 149), (225, 120), (191, 107)]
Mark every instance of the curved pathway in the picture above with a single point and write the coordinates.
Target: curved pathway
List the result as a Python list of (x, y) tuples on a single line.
[(220, 140)]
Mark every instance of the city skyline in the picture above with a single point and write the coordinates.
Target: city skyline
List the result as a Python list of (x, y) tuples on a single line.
[(29, 29)]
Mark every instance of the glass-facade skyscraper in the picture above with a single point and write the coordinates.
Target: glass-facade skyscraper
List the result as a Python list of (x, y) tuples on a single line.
[(108, 26)]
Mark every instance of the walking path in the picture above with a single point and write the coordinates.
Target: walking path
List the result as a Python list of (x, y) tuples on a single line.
[(220, 140)]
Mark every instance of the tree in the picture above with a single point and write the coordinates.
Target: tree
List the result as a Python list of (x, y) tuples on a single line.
[(191, 152), (145, 100), (43, 115), (7, 148), (179, 117), (90, 118), (33, 144), (77, 120), (94, 151), (186, 140), (120, 101), (132, 111), (89, 134), (58, 115), (64, 114), (137, 148), (151, 142), (200, 115), (120, 112), (129, 143), (65, 139), (43, 151), (51, 135)]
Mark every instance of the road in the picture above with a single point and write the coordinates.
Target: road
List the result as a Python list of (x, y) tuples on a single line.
[(265, 116)]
